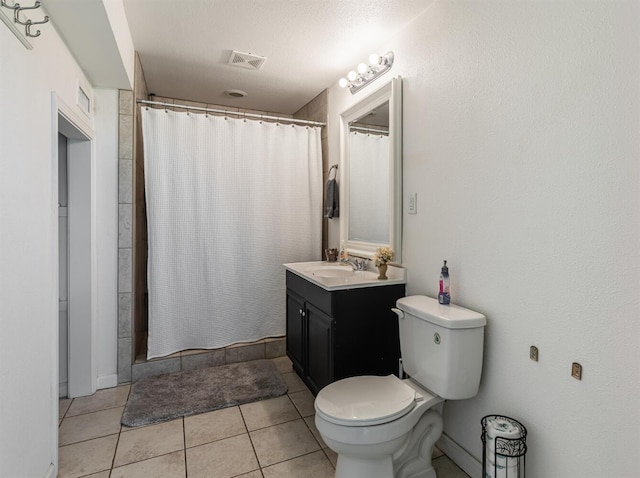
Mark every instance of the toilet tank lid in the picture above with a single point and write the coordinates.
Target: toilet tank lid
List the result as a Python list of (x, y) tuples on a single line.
[(448, 316)]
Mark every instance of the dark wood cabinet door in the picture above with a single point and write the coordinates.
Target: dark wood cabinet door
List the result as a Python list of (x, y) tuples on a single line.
[(320, 348), (296, 331)]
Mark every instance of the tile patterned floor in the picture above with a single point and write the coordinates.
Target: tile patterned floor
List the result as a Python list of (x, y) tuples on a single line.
[(273, 438)]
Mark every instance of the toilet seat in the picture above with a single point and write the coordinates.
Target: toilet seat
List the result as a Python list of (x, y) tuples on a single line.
[(365, 400)]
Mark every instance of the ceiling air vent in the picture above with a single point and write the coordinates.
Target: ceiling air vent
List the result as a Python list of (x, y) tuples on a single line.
[(246, 60)]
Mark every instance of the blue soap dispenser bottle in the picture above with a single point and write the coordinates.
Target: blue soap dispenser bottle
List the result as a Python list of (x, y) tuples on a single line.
[(443, 296)]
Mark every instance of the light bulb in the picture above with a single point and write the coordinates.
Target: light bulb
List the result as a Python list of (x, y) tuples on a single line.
[(374, 58), (352, 75), (343, 82), (362, 68)]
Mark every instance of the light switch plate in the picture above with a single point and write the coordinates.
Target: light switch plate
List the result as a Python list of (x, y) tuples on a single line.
[(413, 203)]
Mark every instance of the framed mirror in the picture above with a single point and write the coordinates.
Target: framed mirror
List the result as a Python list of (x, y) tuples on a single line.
[(371, 173)]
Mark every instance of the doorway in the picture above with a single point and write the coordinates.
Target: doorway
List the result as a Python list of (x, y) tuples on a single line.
[(76, 315), (63, 269)]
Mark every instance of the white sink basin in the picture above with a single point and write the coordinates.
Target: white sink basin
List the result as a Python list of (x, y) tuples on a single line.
[(334, 276)]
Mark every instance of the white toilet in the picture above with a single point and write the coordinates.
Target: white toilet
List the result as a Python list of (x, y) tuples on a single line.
[(384, 427)]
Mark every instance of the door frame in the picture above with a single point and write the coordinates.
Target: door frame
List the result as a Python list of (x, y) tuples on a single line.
[(82, 315)]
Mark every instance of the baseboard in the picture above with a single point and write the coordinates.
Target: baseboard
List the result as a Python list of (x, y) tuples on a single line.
[(51, 472), (460, 456), (107, 381)]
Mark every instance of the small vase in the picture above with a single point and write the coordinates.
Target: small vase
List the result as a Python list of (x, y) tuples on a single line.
[(382, 269)]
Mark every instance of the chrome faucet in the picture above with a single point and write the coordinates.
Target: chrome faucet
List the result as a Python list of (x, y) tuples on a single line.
[(357, 265)]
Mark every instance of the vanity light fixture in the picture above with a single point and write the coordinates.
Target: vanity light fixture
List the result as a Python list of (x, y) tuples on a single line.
[(378, 65)]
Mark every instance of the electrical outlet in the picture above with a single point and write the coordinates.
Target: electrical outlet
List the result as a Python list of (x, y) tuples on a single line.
[(576, 371), (533, 353), (413, 203)]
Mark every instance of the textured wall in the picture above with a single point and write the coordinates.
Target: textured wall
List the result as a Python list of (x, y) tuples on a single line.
[(29, 245), (316, 110), (521, 134)]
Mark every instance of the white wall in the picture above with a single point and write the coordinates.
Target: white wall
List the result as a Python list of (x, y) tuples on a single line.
[(28, 248), (521, 138), (106, 195)]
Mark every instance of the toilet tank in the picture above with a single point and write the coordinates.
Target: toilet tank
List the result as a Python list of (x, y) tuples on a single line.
[(441, 346)]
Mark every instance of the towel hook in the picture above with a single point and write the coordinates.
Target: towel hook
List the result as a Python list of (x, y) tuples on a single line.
[(17, 9), (27, 23), (335, 166), (6, 5)]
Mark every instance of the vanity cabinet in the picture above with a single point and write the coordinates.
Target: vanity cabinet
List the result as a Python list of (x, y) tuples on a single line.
[(334, 334)]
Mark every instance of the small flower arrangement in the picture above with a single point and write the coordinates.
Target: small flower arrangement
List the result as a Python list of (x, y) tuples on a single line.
[(383, 255)]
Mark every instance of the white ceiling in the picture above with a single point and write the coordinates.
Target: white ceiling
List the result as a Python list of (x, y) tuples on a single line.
[(184, 45), (87, 31)]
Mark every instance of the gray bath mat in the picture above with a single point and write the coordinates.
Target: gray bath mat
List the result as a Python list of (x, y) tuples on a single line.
[(165, 397)]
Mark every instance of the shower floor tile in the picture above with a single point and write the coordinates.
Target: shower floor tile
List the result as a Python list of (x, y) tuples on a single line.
[(274, 438)]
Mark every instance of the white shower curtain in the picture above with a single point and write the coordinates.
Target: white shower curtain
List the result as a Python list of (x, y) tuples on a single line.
[(228, 202), (369, 169)]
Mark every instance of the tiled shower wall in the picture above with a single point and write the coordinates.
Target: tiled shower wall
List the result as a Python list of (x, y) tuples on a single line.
[(125, 234), (132, 248), (132, 252)]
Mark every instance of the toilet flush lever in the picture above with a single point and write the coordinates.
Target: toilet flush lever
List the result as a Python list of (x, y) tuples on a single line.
[(398, 312), (418, 397)]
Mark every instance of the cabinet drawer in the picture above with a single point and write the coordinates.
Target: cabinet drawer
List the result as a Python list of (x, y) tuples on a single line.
[(319, 297)]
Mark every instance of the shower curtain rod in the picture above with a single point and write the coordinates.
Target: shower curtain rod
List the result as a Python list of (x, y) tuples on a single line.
[(369, 130), (235, 113)]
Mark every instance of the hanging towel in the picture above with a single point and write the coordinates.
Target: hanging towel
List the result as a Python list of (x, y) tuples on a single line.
[(331, 203)]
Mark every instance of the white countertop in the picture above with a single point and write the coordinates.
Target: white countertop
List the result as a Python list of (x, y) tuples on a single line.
[(337, 276)]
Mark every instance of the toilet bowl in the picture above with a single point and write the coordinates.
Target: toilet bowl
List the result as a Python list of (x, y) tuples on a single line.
[(376, 425), (385, 427)]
